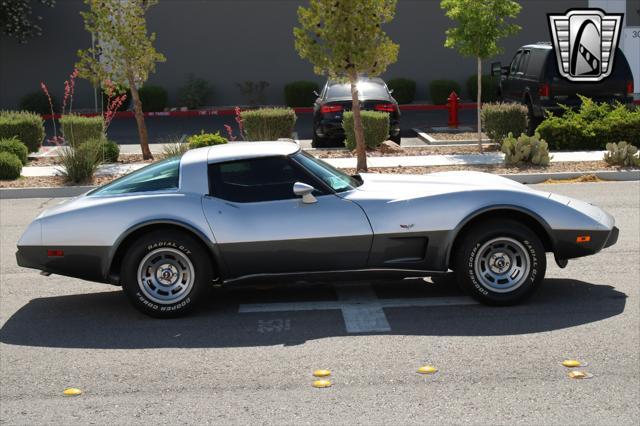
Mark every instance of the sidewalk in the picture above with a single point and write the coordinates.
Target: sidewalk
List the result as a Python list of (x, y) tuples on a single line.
[(373, 162)]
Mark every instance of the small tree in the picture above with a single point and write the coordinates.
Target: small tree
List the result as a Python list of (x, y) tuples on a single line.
[(481, 24), (124, 54), (343, 39)]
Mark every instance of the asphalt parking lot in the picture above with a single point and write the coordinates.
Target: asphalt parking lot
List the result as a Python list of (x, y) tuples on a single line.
[(248, 354)]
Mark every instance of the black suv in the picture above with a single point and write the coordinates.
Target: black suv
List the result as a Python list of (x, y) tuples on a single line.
[(533, 80)]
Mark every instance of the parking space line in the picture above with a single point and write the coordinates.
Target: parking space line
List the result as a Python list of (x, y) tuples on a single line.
[(361, 309)]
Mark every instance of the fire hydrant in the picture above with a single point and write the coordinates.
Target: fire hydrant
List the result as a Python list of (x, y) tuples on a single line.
[(453, 105)]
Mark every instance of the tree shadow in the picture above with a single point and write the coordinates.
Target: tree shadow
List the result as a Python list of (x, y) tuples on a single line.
[(106, 320)]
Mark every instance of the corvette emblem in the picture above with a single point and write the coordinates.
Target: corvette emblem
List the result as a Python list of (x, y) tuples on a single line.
[(585, 42)]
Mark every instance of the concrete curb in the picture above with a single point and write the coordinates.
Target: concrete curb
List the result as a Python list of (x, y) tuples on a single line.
[(530, 178), (55, 192), (431, 141)]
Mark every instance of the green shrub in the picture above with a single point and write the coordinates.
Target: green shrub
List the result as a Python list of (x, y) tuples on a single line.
[(404, 90), (268, 124), (593, 126), (109, 151), (15, 147), (375, 124), (37, 102), (622, 154), (153, 98), (10, 166), (205, 139), (525, 149), (498, 120), (28, 127), (77, 129), (300, 93), (489, 88), (80, 163), (174, 149), (195, 93), (440, 90)]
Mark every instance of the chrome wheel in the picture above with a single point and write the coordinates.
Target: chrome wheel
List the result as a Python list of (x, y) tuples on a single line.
[(502, 265), (166, 276)]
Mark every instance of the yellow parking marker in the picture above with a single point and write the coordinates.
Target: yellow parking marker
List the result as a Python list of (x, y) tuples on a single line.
[(579, 375), (72, 392), (572, 363), (427, 369), (322, 373), (321, 384)]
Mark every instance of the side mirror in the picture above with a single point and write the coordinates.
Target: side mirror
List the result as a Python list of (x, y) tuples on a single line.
[(496, 69), (305, 191)]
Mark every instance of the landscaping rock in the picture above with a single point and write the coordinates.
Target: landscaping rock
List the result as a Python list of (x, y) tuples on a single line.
[(389, 147)]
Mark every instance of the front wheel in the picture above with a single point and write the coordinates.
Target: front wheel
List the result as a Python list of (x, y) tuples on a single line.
[(500, 263), (165, 273)]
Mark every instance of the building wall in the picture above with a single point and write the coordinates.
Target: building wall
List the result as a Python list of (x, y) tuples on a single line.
[(230, 41)]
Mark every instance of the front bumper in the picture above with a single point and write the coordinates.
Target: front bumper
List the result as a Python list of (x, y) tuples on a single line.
[(570, 244)]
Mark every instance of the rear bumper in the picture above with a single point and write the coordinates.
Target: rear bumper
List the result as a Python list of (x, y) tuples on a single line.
[(84, 262), (568, 247), (332, 128)]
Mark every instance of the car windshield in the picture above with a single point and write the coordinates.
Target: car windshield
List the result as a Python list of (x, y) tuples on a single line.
[(334, 178), (366, 89), (163, 175)]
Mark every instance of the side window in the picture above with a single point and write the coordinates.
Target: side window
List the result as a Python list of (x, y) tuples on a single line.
[(514, 63), (524, 61), (256, 180), (160, 176)]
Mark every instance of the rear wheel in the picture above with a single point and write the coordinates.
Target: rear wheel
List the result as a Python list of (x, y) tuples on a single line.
[(533, 121), (500, 262), (165, 273)]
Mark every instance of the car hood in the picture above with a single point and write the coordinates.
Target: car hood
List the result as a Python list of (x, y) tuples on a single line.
[(402, 187)]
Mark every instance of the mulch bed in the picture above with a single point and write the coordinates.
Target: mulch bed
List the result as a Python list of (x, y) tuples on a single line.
[(456, 136), (583, 167), (407, 151), (123, 159)]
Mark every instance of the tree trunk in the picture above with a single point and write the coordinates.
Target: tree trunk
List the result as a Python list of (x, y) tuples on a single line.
[(361, 151), (142, 128), (479, 103)]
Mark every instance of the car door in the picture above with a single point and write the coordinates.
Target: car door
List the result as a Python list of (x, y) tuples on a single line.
[(261, 227), (509, 83)]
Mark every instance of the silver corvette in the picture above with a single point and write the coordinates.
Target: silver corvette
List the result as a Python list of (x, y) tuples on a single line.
[(268, 210)]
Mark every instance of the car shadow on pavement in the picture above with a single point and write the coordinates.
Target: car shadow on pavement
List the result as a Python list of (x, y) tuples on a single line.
[(105, 320)]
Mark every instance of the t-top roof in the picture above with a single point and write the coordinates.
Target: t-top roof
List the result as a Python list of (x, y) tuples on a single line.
[(243, 150)]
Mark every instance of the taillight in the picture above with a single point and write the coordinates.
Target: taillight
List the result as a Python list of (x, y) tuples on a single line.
[(55, 253), (544, 90), (385, 107), (630, 87), (330, 108)]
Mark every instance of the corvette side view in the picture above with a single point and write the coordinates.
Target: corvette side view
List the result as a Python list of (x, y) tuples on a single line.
[(268, 210)]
